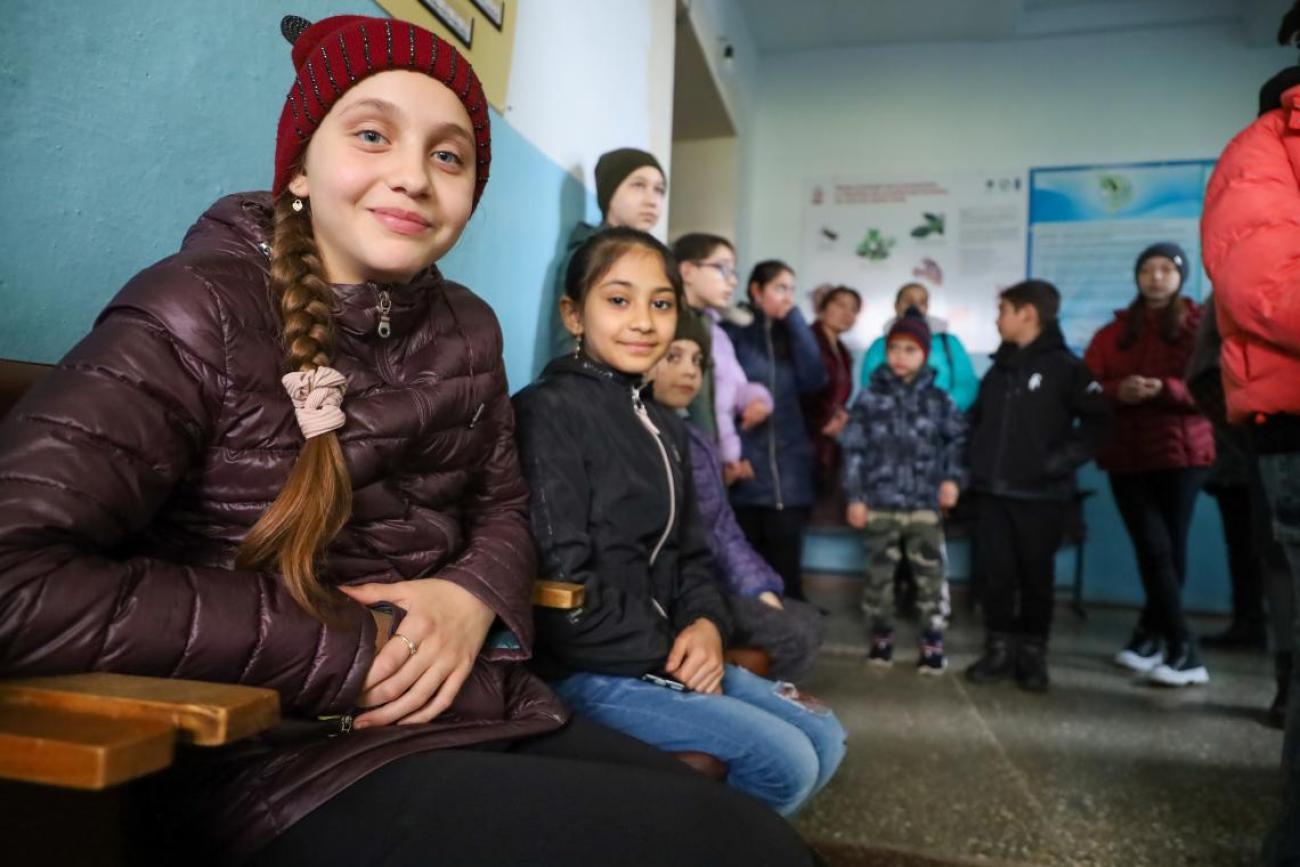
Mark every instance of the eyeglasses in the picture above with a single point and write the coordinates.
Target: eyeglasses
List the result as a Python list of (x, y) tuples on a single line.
[(722, 268)]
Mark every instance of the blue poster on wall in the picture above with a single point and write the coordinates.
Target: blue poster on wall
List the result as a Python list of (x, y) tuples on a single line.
[(1087, 225)]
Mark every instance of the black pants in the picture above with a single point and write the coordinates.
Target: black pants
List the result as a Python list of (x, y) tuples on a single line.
[(583, 795), (1016, 542), (1245, 565), (1157, 512), (777, 534)]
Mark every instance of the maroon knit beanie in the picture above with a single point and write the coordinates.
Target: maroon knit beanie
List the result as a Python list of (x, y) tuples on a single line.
[(911, 325), (335, 53)]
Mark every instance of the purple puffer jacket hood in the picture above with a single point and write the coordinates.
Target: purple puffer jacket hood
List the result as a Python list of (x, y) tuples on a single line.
[(130, 475)]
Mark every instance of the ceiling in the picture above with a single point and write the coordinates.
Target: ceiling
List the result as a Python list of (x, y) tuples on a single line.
[(802, 25)]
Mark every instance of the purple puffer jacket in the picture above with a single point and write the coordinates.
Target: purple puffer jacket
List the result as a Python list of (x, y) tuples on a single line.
[(130, 475), (732, 390), (740, 568)]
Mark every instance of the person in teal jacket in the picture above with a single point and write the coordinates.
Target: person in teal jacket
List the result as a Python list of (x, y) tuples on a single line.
[(954, 373)]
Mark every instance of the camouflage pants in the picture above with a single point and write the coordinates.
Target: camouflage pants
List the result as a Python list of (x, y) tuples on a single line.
[(890, 533)]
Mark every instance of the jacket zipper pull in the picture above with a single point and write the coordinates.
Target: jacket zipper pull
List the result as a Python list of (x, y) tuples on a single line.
[(385, 305), (638, 407), (337, 724)]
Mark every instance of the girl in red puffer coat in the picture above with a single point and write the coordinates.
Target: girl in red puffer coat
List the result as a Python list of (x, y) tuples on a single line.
[(1159, 456)]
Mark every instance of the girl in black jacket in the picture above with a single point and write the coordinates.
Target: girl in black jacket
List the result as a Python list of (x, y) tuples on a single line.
[(613, 509)]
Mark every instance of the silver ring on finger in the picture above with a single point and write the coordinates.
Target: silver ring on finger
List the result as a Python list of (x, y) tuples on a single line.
[(411, 646)]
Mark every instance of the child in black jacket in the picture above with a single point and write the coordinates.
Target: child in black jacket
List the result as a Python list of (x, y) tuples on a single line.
[(614, 509), (1038, 417)]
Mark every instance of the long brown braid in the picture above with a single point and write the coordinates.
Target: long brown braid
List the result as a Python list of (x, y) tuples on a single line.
[(316, 499)]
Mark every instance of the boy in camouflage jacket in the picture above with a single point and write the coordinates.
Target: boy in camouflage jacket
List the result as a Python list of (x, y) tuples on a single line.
[(903, 463)]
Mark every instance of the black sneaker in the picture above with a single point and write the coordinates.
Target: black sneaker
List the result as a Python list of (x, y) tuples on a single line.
[(1182, 666), (882, 648), (931, 660), (997, 662), (1031, 665), (1141, 654)]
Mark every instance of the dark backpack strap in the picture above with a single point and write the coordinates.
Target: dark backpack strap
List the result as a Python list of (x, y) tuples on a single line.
[(947, 353)]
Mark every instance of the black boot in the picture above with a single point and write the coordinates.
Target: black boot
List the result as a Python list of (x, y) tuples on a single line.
[(1275, 716), (998, 660), (1240, 635), (1031, 664)]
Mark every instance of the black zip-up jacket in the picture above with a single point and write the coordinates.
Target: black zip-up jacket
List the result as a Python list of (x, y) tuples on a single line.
[(613, 508), (1039, 416)]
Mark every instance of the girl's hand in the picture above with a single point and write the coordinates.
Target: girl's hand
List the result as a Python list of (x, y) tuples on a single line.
[(857, 515), (446, 624), (737, 471), (755, 413), (696, 657), (1133, 389), (767, 597), (835, 426), (948, 495), (1153, 387)]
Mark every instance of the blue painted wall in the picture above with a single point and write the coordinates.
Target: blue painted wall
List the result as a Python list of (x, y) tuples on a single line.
[(121, 123)]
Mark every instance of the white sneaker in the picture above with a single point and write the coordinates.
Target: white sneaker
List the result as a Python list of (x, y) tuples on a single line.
[(1182, 667), (1166, 675), (1135, 661)]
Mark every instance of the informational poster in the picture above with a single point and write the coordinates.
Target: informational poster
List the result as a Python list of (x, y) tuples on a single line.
[(1087, 225), (961, 235), (482, 30)]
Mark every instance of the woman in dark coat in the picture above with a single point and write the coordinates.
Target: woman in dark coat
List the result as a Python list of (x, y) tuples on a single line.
[(778, 349)]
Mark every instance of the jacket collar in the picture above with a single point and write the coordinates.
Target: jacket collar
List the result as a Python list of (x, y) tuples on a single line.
[(1011, 355), (884, 380), (241, 223), (584, 366)]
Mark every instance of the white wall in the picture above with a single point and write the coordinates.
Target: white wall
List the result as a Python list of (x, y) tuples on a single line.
[(1144, 95), (706, 180), (720, 22), (589, 76)]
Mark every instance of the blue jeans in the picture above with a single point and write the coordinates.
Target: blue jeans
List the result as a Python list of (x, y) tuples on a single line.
[(1281, 476), (778, 746)]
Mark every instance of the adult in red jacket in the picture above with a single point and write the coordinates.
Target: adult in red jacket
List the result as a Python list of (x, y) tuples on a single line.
[(1159, 455), (1250, 235)]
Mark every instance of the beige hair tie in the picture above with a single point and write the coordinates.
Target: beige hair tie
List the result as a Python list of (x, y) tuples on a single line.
[(317, 396)]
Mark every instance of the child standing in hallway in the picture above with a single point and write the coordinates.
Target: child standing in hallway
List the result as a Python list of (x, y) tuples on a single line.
[(631, 188), (903, 463), (1024, 449), (1159, 456), (707, 265), (777, 349)]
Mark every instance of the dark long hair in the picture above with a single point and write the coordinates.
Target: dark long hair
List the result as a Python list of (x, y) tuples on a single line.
[(1171, 320), (764, 272), (597, 255)]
